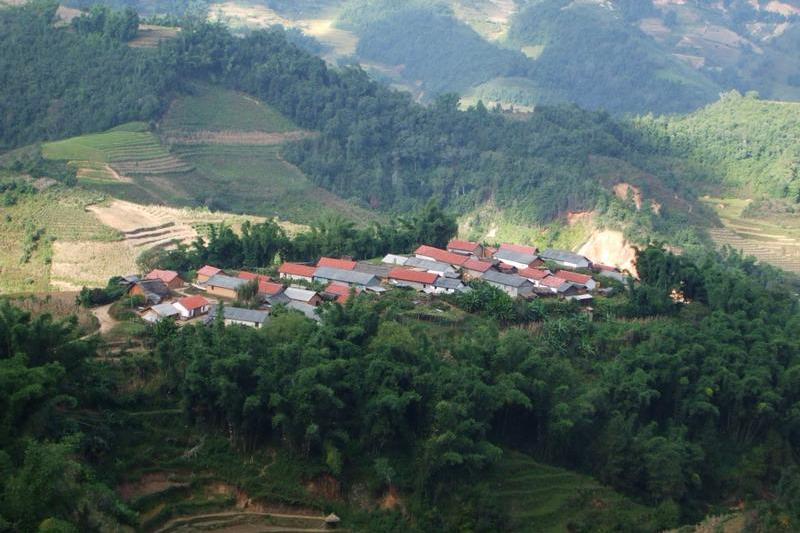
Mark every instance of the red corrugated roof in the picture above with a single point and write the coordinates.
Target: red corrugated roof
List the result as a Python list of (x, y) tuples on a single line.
[(342, 264), (441, 255), (534, 273), (209, 271), (164, 275), (269, 288), (478, 266), (532, 250), (464, 246), (295, 269), (342, 292), (574, 277), (553, 281), (401, 274), (193, 302), (249, 276)]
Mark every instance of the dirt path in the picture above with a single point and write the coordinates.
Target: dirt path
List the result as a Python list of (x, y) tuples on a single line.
[(176, 523), (245, 138), (106, 322)]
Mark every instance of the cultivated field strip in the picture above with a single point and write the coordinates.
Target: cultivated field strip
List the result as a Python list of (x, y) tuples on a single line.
[(775, 250)]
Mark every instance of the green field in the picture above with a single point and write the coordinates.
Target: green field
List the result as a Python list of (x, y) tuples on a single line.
[(544, 498), (217, 109), (256, 180)]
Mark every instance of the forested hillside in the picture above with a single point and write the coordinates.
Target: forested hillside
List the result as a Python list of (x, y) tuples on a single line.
[(56, 83), (374, 145), (683, 406), (748, 144)]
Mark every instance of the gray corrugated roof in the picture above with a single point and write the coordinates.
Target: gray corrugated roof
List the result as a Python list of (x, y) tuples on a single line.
[(165, 309), (240, 314), (351, 277), (225, 282), (301, 295), (564, 256), (516, 257), (382, 271), (510, 280), (448, 283), (309, 310), (427, 264)]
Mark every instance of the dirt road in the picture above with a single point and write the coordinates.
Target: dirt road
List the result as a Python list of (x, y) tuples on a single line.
[(106, 322)]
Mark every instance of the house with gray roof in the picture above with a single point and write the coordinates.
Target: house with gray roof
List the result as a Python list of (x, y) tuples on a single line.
[(222, 285), (566, 259), (444, 285), (434, 267), (159, 312), (254, 318), (348, 277), (518, 260), (309, 310), (154, 291), (381, 271), (512, 284)]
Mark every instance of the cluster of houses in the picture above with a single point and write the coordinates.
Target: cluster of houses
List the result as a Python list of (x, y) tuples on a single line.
[(520, 271)]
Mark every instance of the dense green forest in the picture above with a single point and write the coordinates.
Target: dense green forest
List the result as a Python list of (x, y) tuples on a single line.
[(746, 143), (55, 83), (593, 57), (681, 405)]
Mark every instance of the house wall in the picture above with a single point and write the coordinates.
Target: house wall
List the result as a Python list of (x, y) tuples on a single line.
[(175, 283), (222, 292), (294, 276), (229, 322)]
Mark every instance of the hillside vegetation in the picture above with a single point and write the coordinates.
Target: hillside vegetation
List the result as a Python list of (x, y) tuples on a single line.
[(399, 421), (745, 143)]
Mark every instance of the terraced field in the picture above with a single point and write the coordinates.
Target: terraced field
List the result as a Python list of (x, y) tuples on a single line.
[(129, 150), (548, 499), (771, 239), (179, 481), (55, 215)]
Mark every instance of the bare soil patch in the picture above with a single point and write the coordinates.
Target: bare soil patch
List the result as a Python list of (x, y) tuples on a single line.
[(610, 248)]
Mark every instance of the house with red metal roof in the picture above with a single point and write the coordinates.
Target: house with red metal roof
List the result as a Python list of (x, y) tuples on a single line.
[(207, 272), (249, 276), (341, 264), (338, 292), (520, 248), (412, 278), (467, 248), (170, 278), (192, 306), (536, 275), (581, 280), (558, 286), (437, 254), (474, 269), (296, 271)]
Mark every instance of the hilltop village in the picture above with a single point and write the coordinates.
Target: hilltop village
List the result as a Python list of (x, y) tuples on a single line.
[(519, 271)]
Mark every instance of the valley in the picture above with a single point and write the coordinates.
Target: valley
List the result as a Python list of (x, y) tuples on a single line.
[(247, 286)]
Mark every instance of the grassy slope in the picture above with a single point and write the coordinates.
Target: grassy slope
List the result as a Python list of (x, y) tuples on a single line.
[(547, 499), (216, 109)]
